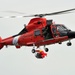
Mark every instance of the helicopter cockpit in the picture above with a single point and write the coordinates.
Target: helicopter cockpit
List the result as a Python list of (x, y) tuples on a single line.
[(62, 29)]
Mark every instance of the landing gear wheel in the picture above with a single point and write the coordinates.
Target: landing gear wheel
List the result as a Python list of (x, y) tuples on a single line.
[(46, 49), (33, 50), (69, 44), (60, 42)]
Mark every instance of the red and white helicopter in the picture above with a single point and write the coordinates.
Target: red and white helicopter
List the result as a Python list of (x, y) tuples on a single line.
[(40, 32)]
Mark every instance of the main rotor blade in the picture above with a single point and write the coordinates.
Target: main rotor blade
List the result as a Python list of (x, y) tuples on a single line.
[(41, 15), (54, 13), (12, 16), (9, 11), (59, 12)]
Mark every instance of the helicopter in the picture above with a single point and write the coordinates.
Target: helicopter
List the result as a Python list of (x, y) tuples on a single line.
[(40, 32)]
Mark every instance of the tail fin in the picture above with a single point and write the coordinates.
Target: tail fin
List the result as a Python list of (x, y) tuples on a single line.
[(1, 45)]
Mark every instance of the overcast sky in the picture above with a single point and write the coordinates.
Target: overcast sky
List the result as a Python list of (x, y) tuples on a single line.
[(60, 59)]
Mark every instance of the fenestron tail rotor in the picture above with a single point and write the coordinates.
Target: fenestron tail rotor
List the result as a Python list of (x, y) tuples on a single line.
[(40, 15)]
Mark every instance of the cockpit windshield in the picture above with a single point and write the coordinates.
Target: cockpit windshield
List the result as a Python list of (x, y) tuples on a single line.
[(61, 27)]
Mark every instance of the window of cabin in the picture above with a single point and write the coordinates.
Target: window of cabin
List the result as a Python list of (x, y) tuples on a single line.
[(37, 32)]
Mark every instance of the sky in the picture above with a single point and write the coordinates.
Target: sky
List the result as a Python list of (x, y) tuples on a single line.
[(60, 59)]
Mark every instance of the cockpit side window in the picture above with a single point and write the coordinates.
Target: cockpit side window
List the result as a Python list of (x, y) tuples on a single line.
[(61, 28)]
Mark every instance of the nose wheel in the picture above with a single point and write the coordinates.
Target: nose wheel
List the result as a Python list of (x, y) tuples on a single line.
[(46, 49), (33, 51), (69, 44)]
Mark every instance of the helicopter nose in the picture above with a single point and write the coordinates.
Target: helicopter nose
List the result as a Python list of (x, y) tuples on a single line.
[(71, 34)]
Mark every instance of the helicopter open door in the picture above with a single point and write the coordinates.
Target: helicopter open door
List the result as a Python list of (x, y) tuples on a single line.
[(54, 31), (47, 30)]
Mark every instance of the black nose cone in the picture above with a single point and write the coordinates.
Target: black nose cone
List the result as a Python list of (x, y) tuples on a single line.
[(71, 34)]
